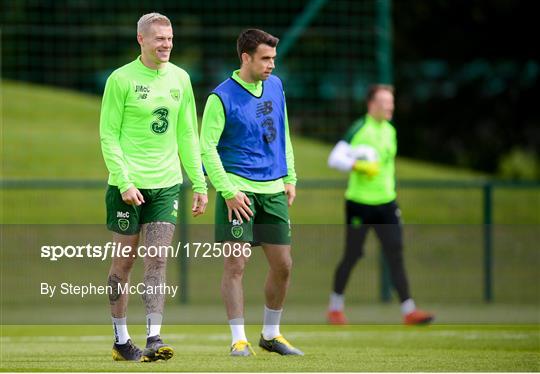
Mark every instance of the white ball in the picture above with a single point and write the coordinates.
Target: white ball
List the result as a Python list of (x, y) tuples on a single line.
[(365, 153)]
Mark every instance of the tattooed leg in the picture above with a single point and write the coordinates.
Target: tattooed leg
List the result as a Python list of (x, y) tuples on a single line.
[(119, 274), (156, 234)]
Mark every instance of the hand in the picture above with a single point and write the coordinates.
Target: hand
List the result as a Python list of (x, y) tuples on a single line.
[(239, 204), (369, 168), (199, 204), (290, 191), (133, 196)]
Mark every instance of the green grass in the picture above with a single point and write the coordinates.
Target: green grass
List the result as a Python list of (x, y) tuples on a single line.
[(328, 349), (444, 264), (50, 133), (57, 138)]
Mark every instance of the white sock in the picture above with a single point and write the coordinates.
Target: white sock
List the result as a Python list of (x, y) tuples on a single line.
[(408, 306), (121, 334), (271, 323), (337, 302), (153, 324), (237, 330)]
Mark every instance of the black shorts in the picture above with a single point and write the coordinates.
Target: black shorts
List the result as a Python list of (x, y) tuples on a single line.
[(385, 219), (357, 213)]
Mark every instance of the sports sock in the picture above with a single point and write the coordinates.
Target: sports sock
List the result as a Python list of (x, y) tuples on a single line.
[(237, 330), (337, 302), (271, 323), (153, 324), (407, 307), (121, 334)]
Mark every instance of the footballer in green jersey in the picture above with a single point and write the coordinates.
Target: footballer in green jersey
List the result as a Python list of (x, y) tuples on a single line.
[(252, 210), (148, 125), (368, 153)]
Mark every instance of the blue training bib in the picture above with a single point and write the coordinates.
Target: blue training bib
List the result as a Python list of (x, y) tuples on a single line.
[(252, 144)]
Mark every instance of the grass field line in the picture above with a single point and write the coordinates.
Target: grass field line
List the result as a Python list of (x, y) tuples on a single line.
[(353, 348), (393, 335)]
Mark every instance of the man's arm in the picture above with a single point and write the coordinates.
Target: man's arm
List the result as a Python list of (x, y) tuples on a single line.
[(341, 158), (362, 159), (213, 124), (289, 154), (188, 141), (189, 150), (290, 179), (112, 112)]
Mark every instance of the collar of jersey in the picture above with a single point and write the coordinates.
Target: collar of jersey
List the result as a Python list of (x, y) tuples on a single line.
[(254, 88), (373, 120), (152, 72)]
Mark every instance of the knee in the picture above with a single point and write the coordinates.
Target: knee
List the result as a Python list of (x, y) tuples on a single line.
[(283, 269), (394, 253), (122, 266), (235, 267), (158, 262), (394, 248), (352, 254)]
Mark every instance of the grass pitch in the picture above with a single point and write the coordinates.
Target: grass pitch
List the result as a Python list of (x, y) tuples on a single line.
[(62, 142), (58, 139), (355, 348)]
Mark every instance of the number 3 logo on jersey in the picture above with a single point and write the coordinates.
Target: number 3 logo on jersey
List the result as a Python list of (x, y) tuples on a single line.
[(161, 123)]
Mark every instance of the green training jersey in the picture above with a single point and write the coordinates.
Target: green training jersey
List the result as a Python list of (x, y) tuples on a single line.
[(147, 118), (229, 184), (381, 136)]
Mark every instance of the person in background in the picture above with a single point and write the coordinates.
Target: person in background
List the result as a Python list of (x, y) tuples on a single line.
[(367, 152)]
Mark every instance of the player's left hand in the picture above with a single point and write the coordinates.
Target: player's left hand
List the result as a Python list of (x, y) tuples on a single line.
[(199, 204), (368, 168), (290, 191)]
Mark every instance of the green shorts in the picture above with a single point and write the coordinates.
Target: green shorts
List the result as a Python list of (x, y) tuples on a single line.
[(270, 222), (161, 205)]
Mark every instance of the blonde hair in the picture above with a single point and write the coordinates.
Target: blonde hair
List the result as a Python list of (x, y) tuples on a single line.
[(148, 19)]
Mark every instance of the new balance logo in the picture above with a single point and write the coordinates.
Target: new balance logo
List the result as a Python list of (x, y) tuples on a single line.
[(142, 91), (264, 108)]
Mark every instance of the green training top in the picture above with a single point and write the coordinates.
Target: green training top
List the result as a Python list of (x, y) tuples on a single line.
[(381, 136), (147, 117), (213, 124)]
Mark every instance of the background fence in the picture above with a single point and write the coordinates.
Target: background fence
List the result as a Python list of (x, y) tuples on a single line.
[(466, 241), (477, 250), (330, 51)]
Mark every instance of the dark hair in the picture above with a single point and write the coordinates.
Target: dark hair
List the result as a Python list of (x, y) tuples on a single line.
[(250, 39), (373, 89)]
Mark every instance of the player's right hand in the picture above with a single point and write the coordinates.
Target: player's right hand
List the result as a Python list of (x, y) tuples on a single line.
[(369, 168), (199, 204), (133, 196), (239, 205)]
